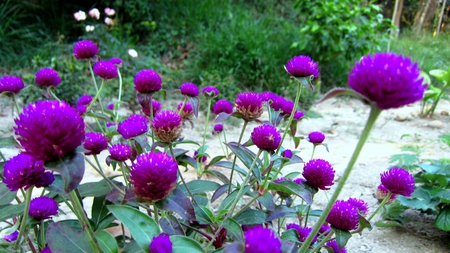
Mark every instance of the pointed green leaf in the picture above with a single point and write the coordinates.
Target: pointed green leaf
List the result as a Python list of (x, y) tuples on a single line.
[(214, 160), (441, 75), (336, 92), (8, 142), (200, 186), (183, 244), (226, 203), (234, 228), (71, 169), (251, 217), (142, 227), (6, 195), (244, 154), (221, 117), (228, 165), (293, 188), (342, 237), (195, 102), (170, 225), (62, 238), (179, 203), (443, 219), (290, 235), (10, 211), (107, 242)]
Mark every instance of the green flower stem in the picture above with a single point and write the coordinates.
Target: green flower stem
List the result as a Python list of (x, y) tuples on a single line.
[(182, 106), (374, 113), (125, 173), (23, 222), (274, 177), (208, 112), (323, 241), (182, 179), (221, 145), (49, 89), (314, 150), (15, 104), (225, 139), (151, 117), (297, 98), (246, 206), (385, 200), (308, 209), (119, 97), (155, 212), (42, 231), (100, 171), (235, 157), (95, 85), (81, 215), (97, 97)]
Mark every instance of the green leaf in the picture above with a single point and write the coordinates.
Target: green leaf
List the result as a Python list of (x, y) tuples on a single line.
[(170, 225), (99, 209), (234, 228), (292, 188), (62, 238), (6, 195), (142, 227), (228, 165), (71, 169), (244, 154), (200, 186), (8, 142), (290, 235), (441, 75), (132, 247), (267, 201), (342, 237), (444, 195), (336, 92), (218, 175), (10, 211), (179, 203), (107, 242), (443, 219), (195, 102), (387, 224), (404, 160), (183, 244), (251, 217), (214, 160), (94, 189), (204, 215), (226, 203)]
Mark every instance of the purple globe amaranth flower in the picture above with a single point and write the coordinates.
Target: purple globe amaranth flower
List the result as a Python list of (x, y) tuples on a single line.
[(202, 159), (154, 176), (120, 152), (287, 107), (249, 105), (116, 61), (324, 229), (161, 244), (43, 208), (361, 205), (277, 102), (189, 89), (46, 250), (47, 77), (85, 50), (156, 107), (299, 180), (86, 99), (223, 105), (218, 128), (105, 69), (11, 237), (133, 126), (343, 215), (187, 112), (81, 109), (167, 126), (388, 80), (316, 137), (22, 171), (382, 193), (210, 91), (302, 66), (333, 244), (287, 153), (319, 174), (147, 81), (49, 130), (266, 96), (398, 181), (298, 115), (12, 84), (95, 143), (303, 232), (261, 240), (266, 137), (110, 106)]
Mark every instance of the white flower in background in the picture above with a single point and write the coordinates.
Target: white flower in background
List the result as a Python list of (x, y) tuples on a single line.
[(132, 53), (109, 21), (79, 15), (110, 12), (90, 28), (95, 13)]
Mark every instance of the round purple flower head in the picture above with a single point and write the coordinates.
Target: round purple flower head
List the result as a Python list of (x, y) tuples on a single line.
[(81, 109), (12, 84), (266, 137), (223, 105), (116, 61), (261, 240), (189, 89), (49, 130), (43, 208), (85, 100), (95, 143), (47, 77), (398, 181), (324, 229), (167, 126), (333, 244), (210, 91), (343, 215), (298, 115), (160, 244), (154, 176), (133, 126), (316, 137), (105, 69), (46, 250), (249, 105), (218, 128), (266, 96), (120, 152), (302, 66), (11, 237), (202, 160), (388, 80), (319, 174), (110, 106), (147, 81), (187, 112), (85, 50), (277, 102), (382, 193), (299, 180), (361, 205), (303, 233), (22, 171), (287, 153), (287, 107), (156, 107)]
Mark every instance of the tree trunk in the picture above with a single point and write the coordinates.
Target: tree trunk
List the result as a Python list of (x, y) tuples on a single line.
[(426, 13), (440, 17)]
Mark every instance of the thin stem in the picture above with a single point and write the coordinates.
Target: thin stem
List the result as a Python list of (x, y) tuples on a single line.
[(297, 98), (155, 212), (15, 104), (221, 145), (225, 139), (95, 85), (53, 94), (182, 179), (119, 98), (322, 242), (314, 149), (385, 200), (247, 205), (23, 222), (81, 215), (42, 231), (374, 113), (182, 106), (151, 117), (274, 177), (208, 111), (99, 171), (97, 97), (307, 215), (235, 157)]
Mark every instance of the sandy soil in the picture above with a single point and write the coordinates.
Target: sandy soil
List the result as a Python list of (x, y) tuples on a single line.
[(342, 121)]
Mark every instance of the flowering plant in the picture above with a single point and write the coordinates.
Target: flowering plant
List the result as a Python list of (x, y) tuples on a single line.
[(241, 201)]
